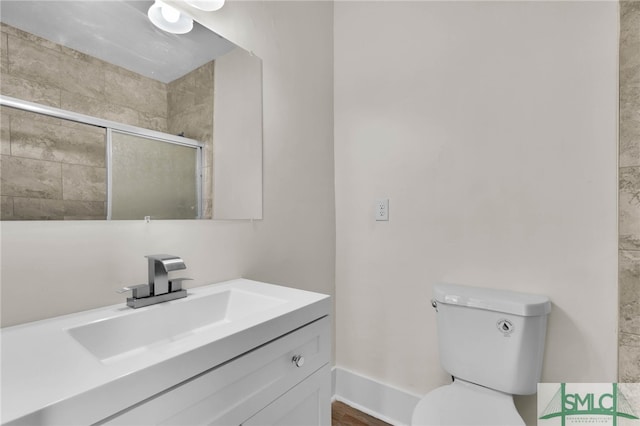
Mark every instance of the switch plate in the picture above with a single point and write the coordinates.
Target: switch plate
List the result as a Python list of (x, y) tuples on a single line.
[(382, 209)]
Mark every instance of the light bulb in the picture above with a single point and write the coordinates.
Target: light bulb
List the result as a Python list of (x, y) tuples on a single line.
[(169, 13), (169, 19)]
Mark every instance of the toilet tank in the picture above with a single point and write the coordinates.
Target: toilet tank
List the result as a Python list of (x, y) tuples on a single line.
[(493, 338)]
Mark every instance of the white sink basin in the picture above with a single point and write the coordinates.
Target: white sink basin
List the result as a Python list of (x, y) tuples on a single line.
[(83, 367), (153, 327)]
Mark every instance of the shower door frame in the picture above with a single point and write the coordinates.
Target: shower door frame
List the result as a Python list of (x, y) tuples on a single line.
[(109, 126)]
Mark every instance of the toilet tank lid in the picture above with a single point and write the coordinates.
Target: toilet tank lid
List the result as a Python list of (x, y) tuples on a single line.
[(510, 302)]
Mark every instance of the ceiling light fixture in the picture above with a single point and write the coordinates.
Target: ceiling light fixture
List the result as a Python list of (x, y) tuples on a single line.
[(169, 19), (170, 14), (206, 5)]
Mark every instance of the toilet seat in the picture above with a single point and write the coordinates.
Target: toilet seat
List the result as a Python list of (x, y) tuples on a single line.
[(463, 403)]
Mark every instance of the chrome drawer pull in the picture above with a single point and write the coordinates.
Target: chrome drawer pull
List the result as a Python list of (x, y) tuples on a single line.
[(298, 360)]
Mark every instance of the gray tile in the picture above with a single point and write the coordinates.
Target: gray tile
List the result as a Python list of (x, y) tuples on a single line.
[(27, 116), (84, 218), (38, 209), (24, 177), (204, 74), (32, 61), (207, 152), (629, 83), (186, 83), (121, 114), (74, 54), (204, 101), (179, 101), (82, 104), (148, 121), (137, 92), (207, 191), (30, 90), (4, 54), (82, 77), (630, 129), (84, 210), (194, 126), (82, 183), (6, 208), (629, 291), (5, 141), (629, 42), (31, 38), (629, 63), (97, 108), (629, 208), (631, 392), (204, 80), (4, 65), (629, 358), (58, 143), (192, 93), (207, 208), (39, 61), (629, 93)]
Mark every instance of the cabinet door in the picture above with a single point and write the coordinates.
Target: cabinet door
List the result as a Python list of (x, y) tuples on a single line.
[(307, 404), (233, 392)]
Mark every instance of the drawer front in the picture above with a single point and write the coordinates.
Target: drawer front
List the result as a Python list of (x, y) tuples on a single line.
[(307, 404), (232, 392)]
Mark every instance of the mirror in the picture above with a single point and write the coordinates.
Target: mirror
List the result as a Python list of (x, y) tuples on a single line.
[(140, 187), (115, 65)]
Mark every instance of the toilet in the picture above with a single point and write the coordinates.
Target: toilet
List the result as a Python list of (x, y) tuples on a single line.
[(492, 343)]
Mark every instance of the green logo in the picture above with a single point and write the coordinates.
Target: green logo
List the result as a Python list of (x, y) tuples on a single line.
[(588, 404)]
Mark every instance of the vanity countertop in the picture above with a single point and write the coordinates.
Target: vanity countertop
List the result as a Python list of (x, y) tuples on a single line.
[(47, 373)]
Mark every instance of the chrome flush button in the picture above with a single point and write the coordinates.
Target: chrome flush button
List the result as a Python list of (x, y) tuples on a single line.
[(505, 326)]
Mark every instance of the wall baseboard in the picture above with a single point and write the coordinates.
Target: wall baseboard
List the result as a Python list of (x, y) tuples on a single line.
[(377, 399)]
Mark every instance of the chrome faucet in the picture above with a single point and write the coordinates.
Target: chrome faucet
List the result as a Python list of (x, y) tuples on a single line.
[(159, 267), (160, 288)]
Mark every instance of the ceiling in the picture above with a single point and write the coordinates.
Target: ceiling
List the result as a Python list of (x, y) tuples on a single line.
[(118, 32)]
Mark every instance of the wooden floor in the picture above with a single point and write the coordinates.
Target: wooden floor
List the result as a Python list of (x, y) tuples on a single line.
[(343, 415)]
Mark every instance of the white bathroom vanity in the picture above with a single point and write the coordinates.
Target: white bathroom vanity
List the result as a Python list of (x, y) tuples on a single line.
[(238, 352)]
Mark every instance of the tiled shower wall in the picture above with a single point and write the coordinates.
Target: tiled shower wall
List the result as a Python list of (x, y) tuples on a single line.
[(51, 168), (190, 112), (55, 151), (37, 70), (629, 193)]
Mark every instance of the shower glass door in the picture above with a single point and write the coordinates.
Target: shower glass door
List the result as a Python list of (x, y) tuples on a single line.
[(153, 178)]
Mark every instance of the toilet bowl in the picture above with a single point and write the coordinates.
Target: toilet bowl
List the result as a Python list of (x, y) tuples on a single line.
[(492, 343), (463, 403)]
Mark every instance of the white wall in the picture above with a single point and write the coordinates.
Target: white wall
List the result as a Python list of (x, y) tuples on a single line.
[(491, 127), (237, 132), (53, 268)]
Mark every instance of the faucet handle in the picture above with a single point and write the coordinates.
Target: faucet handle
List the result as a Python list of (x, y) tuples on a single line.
[(138, 291), (168, 261), (175, 284)]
